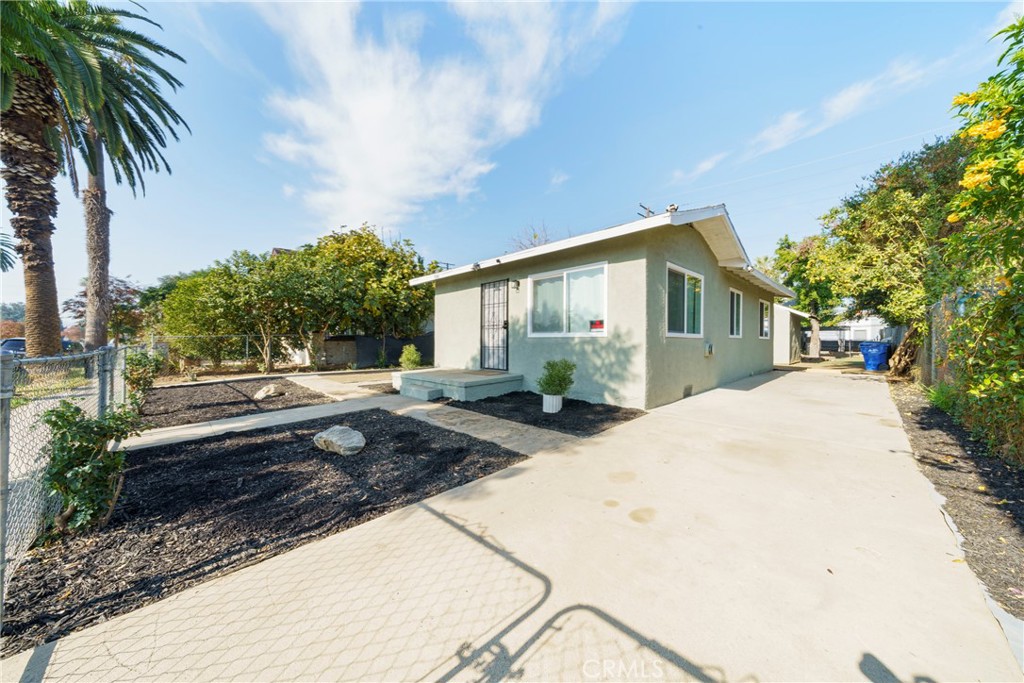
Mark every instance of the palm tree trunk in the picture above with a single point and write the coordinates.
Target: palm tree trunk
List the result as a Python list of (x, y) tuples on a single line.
[(97, 249), (30, 166)]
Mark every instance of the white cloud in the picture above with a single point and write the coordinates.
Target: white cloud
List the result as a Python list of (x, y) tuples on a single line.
[(288, 190), (558, 179), (1009, 14), (384, 129), (849, 101), (679, 176), (899, 77), (784, 131)]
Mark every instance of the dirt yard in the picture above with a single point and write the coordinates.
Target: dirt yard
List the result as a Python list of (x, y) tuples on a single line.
[(189, 403), (578, 418), (193, 511), (984, 495)]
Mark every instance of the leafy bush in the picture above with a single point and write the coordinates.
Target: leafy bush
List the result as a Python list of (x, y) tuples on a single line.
[(986, 351), (382, 358), (83, 472), (140, 371), (557, 377), (410, 358)]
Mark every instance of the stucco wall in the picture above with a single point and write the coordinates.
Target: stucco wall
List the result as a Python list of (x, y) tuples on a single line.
[(787, 334), (610, 369), (678, 366)]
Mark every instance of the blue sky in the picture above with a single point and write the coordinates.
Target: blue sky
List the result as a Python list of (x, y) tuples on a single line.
[(458, 126)]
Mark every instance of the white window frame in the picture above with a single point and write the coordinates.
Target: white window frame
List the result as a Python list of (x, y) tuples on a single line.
[(565, 301), (689, 273), (739, 308), (764, 332)]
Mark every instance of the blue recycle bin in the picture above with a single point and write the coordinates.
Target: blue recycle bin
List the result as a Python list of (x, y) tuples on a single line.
[(875, 355)]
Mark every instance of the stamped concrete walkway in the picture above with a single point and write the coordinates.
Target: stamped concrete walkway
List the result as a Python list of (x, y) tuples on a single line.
[(775, 529)]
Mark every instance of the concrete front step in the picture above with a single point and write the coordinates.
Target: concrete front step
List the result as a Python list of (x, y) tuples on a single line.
[(462, 385), (420, 392)]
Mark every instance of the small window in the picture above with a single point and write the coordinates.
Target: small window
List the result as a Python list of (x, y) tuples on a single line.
[(569, 303), (685, 302), (766, 320), (735, 313)]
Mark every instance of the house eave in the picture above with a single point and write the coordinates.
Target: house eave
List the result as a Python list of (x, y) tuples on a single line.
[(712, 222)]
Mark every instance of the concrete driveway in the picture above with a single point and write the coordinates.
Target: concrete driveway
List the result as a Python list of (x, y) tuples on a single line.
[(775, 529)]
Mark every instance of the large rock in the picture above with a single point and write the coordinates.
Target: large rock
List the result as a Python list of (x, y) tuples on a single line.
[(340, 440), (268, 391)]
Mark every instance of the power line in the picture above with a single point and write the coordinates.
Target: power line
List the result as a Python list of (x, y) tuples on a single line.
[(816, 161)]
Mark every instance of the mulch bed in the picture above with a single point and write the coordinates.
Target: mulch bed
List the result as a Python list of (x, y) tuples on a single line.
[(984, 495), (172, 406), (578, 418), (193, 511)]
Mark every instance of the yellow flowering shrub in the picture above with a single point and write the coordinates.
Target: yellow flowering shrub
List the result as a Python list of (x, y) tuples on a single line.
[(986, 342)]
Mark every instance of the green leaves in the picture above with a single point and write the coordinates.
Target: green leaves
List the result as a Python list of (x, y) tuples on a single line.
[(82, 472), (348, 282)]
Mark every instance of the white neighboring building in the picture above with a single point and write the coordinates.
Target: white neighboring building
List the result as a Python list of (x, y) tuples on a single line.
[(869, 328)]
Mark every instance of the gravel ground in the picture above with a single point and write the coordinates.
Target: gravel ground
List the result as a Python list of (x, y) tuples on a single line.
[(984, 495), (171, 406), (578, 418), (197, 510)]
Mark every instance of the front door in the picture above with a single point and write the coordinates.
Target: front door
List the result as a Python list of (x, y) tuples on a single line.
[(494, 325)]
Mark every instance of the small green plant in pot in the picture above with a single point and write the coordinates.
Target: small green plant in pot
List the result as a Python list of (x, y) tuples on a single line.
[(555, 383)]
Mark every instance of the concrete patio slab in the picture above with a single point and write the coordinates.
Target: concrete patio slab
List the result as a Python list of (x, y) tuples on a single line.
[(776, 529)]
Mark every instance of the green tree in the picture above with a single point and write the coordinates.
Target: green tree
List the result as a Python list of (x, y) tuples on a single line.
[(12, 311), (378, 299), (200, 317), (800, 266), (126, 314), (884, 245)]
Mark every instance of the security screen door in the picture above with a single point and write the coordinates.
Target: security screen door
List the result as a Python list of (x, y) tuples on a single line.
[(494, 325)]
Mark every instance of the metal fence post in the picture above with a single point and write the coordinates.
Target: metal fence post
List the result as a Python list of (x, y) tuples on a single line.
[(6, 394), (103, 375)]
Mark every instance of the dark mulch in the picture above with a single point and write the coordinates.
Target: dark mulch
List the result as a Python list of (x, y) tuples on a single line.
[(578, 418), (171, 406), (984, 495), (193, 511)]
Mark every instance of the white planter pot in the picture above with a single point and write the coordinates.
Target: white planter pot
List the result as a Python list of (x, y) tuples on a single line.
[(552, 404), (396, 380)]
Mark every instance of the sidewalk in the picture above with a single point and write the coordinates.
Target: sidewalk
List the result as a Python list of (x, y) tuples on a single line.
[(512, 435)]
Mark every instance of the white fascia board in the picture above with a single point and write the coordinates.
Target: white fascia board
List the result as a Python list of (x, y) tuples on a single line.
[(779, 290), (660, 220), (787, 309)]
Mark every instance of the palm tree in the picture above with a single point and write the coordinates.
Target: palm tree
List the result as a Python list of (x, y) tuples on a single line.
[(39, 58), (132, 127), (8, 257), (55, 59)]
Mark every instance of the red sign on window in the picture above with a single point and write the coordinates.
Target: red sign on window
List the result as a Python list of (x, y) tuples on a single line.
[(596, 325)]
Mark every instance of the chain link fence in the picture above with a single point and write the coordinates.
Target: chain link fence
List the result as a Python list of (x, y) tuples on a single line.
[(194, 354), (94, 381)]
